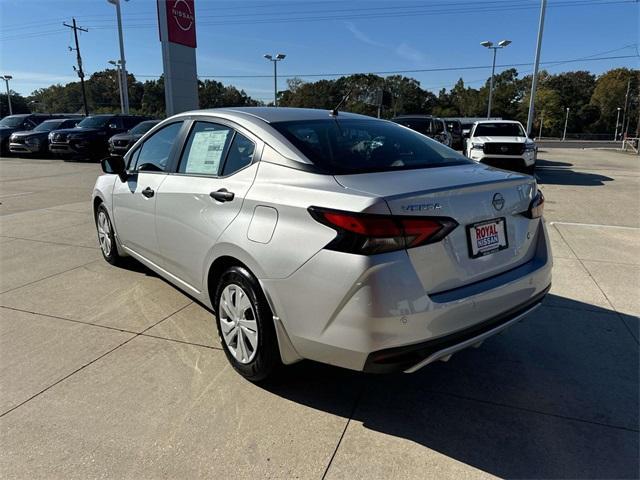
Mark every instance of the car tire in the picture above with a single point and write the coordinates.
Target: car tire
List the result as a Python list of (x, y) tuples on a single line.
[(106, 236), (245, 325)]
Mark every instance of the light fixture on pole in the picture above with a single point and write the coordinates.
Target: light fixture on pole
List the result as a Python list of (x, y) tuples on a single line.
[(123, 64), (491, 46), (566, 119), (275, 60), (615, 135), (6, 79), (117, 65)]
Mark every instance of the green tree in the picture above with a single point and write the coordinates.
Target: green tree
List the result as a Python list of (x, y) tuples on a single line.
[(19, 104), (609, 94)]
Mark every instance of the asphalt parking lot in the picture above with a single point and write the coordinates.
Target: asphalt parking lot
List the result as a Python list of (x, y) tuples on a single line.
[(111, 372)]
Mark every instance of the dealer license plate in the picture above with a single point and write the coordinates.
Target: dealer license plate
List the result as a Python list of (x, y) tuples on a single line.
[(487, 237)]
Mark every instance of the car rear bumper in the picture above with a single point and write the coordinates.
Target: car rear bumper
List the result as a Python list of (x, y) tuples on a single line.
[(413, 357), (346, 309)]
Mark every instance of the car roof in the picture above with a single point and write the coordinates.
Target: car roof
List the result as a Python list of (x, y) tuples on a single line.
[(497, 121), (417, 115), (278, 114)]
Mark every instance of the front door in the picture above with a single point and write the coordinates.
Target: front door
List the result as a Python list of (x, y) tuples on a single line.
[(134, 201)]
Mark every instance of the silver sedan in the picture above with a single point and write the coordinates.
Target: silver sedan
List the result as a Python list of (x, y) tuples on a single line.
[(324, 235)]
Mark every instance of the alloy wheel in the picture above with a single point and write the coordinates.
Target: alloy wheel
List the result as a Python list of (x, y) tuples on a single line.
[(104, 233), (238, 323)]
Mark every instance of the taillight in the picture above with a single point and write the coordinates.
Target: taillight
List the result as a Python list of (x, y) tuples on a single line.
[(536, 207), (368, 234)]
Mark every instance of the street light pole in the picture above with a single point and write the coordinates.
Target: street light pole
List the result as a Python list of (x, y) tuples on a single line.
[(123, 64), (566, 119), (6, 79), (487, 44), (275, 60), (615, 135), (117, 65)]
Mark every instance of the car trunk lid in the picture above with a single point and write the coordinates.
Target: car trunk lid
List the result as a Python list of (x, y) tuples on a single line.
[(465, 193)]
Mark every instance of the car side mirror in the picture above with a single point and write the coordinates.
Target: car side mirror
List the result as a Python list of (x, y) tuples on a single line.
[(113, 126), (115, 165)]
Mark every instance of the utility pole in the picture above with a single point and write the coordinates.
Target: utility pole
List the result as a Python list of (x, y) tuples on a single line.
[(624, 113), (534, 79), (75, 29)]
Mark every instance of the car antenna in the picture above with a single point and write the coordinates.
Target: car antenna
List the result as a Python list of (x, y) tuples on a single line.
[(334, 112)]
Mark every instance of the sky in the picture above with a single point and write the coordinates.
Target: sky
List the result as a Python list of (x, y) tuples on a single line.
[(320, 38)]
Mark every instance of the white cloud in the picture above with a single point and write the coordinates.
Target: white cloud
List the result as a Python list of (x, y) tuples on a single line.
[(406, 51), (360, 35)]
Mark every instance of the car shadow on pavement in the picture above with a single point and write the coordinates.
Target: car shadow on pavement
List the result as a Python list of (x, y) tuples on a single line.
[(555, 396), (558, 173), (541, 162)]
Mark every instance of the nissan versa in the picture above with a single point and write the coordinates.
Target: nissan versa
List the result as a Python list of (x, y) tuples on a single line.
[(325, 235)]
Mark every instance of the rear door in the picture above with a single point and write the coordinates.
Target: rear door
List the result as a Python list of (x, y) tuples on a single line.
[(134, 201), (197, 202)]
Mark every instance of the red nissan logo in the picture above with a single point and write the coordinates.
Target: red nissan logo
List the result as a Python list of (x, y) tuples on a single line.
[(183, 15)]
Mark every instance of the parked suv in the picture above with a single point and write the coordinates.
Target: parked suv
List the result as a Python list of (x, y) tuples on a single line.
[(503, 144), (326, 235), (37, 140), (17, 123), (120, 143), (89, 139), (454, 127), (432, 127)]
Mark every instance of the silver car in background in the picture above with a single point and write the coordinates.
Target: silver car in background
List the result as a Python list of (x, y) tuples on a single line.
[(327, 236)]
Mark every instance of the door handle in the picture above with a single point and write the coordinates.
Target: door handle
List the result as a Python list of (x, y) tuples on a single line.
[(148, 192), (222, 195)]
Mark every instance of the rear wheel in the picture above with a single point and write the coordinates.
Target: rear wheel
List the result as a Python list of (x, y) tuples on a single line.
[(245, 325), (106, 236)]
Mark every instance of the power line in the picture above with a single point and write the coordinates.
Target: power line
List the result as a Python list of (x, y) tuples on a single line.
[(437, 9)]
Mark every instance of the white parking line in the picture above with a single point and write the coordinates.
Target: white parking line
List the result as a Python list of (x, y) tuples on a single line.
[(594, 225)]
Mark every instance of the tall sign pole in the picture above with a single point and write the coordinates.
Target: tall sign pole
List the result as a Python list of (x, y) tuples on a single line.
[(123, 64), (75, 29), (534, 80), (177, 22)]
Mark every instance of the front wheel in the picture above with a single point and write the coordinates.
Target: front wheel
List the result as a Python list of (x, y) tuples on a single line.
[(106, 236), (245, 325)]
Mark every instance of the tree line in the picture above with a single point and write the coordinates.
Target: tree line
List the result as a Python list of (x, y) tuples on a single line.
[(592, 100)]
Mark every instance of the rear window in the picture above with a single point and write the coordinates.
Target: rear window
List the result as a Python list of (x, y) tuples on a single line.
[(358, 146), (499, 130)]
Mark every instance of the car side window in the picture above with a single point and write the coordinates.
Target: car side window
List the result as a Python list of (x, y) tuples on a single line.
[(153, 155), (130, 122), (240, 154), (206, 149)]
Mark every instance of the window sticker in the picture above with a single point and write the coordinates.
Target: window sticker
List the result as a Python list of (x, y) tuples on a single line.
[(206, 152)]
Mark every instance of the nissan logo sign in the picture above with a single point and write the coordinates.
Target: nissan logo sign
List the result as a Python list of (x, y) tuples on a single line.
[(498, 201), (183, 15)]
